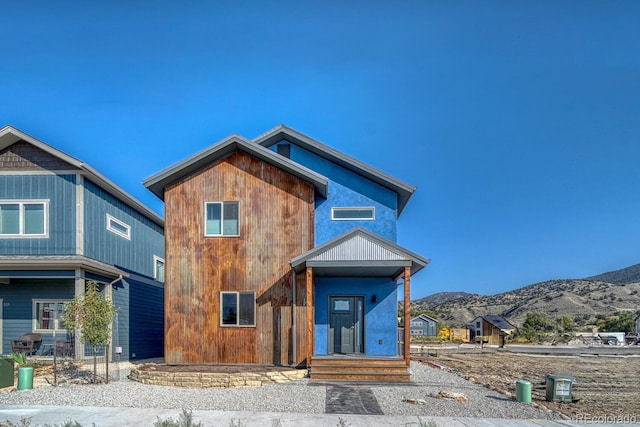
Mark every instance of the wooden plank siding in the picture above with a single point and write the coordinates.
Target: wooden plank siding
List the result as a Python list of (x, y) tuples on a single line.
[(276, 224)]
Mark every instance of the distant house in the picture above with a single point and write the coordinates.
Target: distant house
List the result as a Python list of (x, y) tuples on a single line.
[(490, 329), (424, 325), (638, 326), (63, 223)]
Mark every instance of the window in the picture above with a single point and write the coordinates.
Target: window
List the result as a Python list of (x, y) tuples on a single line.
[(44, 314), (118, 227), (238, 308), (417, 332), (158, 269), (418, 323), (351, 214), (221, 219), (24, 218)]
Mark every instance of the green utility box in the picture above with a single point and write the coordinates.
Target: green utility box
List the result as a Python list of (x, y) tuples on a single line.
[(559, 388), (6, 371), (523, 391)]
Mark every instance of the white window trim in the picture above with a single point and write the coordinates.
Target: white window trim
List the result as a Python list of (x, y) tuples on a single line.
[(111, 219), (348, 208), (237, 294), (34, 316), (157, 259), (221, 220), (23, 202)]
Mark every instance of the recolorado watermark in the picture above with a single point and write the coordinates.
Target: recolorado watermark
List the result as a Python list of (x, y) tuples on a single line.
[(604, 419)]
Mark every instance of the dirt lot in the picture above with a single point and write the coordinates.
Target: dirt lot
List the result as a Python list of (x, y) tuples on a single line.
[(605, 385)]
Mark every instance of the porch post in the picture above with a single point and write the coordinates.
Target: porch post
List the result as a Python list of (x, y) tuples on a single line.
[(407, 315), (310, 304)]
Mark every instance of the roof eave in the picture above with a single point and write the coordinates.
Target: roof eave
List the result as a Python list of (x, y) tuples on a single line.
[(10, 135), (280, 132), (158, 182)]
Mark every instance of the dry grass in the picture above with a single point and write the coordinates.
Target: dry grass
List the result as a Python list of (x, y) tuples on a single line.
[(605, 385)]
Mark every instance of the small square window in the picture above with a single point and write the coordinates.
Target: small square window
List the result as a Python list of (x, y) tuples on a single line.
[(45, 314), (353, 214), (222, 219), (118, 227), (238, 308)]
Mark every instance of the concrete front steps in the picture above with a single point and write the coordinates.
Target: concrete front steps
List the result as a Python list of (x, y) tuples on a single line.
[(353, 368)]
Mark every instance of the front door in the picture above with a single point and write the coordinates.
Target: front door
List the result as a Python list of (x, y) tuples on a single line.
[(346, 324)]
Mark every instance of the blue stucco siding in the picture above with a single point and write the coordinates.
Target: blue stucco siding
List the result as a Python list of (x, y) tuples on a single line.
[(347, 189), (135, 254), (383, 225), (60, 191), (17, 310), (381, 317)]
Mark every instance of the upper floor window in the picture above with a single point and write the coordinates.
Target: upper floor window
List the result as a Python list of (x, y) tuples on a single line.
[(46, 315), (355, 213), (238, 308), (23, 218), (221, 219), (118, 227), (158, 268)]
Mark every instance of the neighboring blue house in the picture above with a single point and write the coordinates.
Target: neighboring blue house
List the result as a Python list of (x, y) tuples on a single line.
[(310, 258), (63, 223), (424, 325)]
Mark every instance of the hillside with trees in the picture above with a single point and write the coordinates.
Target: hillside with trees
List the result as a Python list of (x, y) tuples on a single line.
[(588, 302)]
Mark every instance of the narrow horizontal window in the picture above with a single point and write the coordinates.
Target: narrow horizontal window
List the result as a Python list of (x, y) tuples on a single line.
[(238, 308), (118, 227), (353, 214), (46, 315), (24, 218), (222, 219), (158, 268)]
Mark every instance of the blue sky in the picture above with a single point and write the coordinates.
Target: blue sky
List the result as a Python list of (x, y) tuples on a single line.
[(518, 122)]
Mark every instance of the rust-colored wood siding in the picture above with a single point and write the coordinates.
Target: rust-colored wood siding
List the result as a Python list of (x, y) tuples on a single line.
[(276, 224)]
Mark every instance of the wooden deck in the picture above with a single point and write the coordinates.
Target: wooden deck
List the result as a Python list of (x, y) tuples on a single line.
[(355, 368)]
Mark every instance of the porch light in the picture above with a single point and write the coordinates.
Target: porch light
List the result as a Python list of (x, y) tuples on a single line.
[(374, 298)]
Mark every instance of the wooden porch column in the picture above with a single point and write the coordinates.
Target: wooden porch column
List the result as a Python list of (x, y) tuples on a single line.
[(407, 315), (310, 304)]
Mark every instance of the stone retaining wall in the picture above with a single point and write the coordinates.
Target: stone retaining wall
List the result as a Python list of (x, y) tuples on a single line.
[(149, 375)]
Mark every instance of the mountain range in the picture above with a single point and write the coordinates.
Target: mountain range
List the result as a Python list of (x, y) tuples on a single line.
[(586, 300)]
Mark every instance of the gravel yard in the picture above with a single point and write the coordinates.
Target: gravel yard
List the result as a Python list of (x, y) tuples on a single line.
[(605, 385), (303, 396)]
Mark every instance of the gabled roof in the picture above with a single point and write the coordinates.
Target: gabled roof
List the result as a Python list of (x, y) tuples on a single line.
[(424, 317), (282, 132), (359, 253), (497, 321), (10, 135), (158, 182)]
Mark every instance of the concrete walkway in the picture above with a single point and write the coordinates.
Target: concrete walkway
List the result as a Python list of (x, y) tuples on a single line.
[(112, 417)]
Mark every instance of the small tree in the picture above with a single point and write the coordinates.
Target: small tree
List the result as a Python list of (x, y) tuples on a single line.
[(92, 315)]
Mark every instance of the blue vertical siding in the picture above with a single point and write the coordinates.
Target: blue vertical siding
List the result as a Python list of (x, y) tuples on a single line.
[(348, 189), (60, 190), (381, 317), (18, 306), (146, 320), (136, 254)]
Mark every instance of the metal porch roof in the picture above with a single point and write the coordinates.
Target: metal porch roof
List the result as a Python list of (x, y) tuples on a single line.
[(359, 253)]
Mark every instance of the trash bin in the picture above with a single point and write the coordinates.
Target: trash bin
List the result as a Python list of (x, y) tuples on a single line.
[(6, 372), (559, 388), (523, 391), (25, 378)]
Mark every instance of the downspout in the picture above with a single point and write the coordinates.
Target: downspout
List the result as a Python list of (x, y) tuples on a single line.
[(293, 319)]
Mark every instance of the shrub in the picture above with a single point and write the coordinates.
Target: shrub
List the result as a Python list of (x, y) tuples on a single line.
[(184, 420)]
